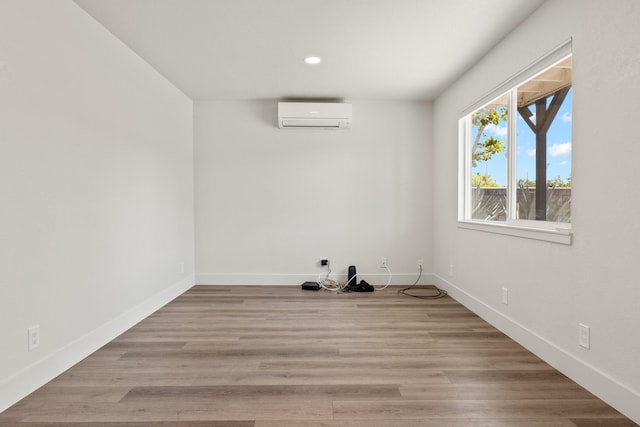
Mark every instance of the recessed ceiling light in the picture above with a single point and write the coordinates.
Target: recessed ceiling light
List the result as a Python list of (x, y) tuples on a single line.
[(312, 60)]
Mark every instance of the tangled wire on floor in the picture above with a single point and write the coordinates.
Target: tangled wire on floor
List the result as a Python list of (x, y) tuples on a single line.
[(434, 291)]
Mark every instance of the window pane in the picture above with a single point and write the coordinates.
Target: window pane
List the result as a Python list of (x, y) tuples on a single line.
[(488, 146), (526, 170), (559, 164), (543, 171)]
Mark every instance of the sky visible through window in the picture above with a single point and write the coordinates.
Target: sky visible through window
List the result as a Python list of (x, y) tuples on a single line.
[(558, 148)]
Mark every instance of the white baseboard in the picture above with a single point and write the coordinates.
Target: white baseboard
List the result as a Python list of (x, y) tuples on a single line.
[(610, 390), (297, 279), (26, 381)]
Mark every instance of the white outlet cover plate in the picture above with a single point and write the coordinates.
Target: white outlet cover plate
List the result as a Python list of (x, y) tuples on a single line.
[(505, 296), (34, 337), (584, 336)]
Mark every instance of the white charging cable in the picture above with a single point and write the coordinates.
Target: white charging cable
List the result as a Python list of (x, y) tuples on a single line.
[(326, 282), (388, 278)]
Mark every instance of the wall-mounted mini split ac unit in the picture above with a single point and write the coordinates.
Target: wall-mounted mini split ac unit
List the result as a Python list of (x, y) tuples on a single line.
[(314, 115)]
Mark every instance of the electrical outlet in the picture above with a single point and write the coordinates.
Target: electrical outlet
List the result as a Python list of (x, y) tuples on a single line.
[(584, 336), (324, 261), (420, 264), (34, 337), (451, 269), (383, 262), (505, 296)]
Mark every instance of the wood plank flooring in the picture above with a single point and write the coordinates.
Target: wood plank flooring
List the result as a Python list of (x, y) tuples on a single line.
[(241, 356)]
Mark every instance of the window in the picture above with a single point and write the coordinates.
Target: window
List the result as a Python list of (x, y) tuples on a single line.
[(515, 152)]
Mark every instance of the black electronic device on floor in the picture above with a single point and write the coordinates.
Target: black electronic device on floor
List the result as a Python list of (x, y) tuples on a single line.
[(352, 280), (311, 286)]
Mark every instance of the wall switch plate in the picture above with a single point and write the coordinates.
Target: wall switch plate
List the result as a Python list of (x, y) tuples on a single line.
[(505, 296), (34, 337), (584, 336)]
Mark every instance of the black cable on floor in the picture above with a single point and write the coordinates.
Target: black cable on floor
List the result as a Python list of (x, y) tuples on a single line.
[(438, 293)]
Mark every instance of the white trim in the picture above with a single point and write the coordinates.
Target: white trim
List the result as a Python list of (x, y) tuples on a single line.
[(553, 235), (27, 380), (605, 387), (464, 168), (270, 279), (512, 158)]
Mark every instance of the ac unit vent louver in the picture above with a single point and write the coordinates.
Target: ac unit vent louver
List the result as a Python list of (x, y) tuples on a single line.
[(314, 115)]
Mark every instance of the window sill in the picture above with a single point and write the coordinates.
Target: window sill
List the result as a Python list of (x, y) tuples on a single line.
[(553, 235)]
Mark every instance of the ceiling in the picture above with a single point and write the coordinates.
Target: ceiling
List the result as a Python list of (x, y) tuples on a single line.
[(254, 49)]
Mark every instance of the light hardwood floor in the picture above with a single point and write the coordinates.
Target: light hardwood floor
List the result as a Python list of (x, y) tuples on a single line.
[(280, 356)]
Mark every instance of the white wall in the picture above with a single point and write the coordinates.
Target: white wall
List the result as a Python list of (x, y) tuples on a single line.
[(270, 203), (553, 287), (96, 189)]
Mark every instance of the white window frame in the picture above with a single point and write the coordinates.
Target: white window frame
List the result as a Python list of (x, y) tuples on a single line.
[(538, 230)]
